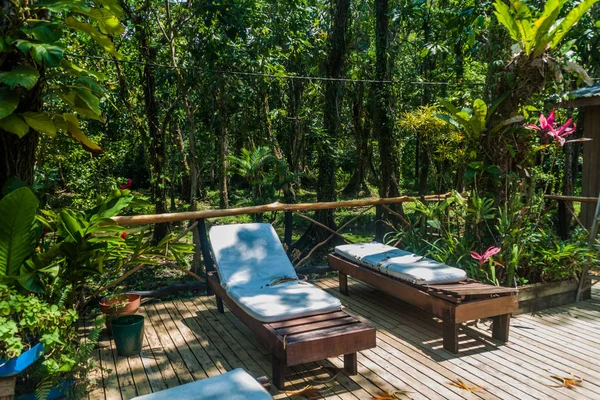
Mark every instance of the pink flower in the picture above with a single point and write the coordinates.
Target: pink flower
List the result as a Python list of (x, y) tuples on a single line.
[(547, 129), (482, 258)]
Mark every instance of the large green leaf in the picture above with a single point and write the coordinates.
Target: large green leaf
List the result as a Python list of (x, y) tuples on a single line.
[(71, 225), (479, 114), (100, 38), (70, 124), (108, 23), (571, 19), (17, 239), (44, 31), (14, 124), (113, 6), (505, 18), (43, 53), (62, 5), (9, 100), (544, 24), (23, 75), (40, 122)]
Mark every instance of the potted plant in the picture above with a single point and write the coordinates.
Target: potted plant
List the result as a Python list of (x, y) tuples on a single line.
[(128, 334), (29, 328)]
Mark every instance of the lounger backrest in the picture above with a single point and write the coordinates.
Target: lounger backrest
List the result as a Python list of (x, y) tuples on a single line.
[(249, 255)]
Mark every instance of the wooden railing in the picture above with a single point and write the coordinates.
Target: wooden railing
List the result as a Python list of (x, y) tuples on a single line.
[(199, 218)]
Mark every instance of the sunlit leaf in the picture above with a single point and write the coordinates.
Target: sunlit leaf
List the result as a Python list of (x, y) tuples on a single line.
[(569, 382), (14, 124), (70, 124), (100, 38), (43, 31), (40, 122), (42, 53)]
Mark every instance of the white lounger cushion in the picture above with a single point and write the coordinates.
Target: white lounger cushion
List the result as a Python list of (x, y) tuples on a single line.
[(250, 258), (234, 385), (401, 264), (249, 255), (286, 300)]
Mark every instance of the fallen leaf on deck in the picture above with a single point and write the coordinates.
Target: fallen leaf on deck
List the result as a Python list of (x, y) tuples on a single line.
[(308, 392), (461, 385), (570, 382)]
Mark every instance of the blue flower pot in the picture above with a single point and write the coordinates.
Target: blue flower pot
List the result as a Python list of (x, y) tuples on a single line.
[(57, 392), (16, 365)]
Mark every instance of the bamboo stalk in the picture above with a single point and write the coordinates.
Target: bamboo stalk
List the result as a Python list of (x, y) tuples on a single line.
[(192, 215), (571, 198)]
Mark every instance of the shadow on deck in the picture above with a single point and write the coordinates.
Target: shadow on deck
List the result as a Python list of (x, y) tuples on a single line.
[(187, 340)]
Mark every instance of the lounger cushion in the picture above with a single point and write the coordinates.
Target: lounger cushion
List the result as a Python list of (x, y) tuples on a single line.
[(288, 300), (234, 385), (249, 255), (251, 263), (401, 264)]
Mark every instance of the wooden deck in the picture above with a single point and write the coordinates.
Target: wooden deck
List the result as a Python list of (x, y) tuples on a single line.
[(187, 340)]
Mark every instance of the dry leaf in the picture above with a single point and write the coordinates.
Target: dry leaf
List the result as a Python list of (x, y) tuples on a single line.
[(308, 392), (461, 385), (570, 382)]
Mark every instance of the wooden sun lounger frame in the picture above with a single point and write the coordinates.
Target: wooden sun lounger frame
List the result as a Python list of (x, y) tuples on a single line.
[(301, 340), (452, 303)]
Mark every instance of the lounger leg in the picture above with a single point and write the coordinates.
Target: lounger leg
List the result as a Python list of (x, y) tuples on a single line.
[(220, 305), (278, 373), (501, 327), (343, 284), (450, 335), (351, 364)]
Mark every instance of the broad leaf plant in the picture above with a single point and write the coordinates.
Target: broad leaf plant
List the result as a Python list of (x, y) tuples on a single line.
[(34, 59)]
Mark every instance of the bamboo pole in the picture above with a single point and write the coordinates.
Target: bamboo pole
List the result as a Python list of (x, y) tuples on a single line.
[(571, 198), (192, 215)]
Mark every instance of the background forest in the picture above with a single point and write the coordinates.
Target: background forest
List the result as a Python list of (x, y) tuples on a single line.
[(112, 107)]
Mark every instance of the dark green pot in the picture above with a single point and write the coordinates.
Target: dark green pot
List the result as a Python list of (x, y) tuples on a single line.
[(128, 334)]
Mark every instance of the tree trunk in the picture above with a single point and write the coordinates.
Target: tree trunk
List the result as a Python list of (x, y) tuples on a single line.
[(222, 139), (156, 143), (383, 121), (358, 182)]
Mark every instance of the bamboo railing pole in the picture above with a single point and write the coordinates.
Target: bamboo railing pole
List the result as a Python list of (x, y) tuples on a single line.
[(193, 215), (571, 198)]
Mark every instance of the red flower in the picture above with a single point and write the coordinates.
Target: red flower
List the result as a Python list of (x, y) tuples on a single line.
[(126, 186), (123, 235), (547, 129)]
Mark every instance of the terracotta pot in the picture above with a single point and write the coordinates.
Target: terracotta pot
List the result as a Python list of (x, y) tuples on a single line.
[(120, 304)]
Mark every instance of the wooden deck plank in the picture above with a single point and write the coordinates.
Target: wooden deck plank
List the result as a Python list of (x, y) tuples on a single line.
[(189, 338)]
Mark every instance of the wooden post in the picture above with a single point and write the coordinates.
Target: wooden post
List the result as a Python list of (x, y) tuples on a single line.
[(209, 264), (343, 283), (287, 237), (501, 327), (450, 332), (590, 180), (563, 218), (278, 372), (379, 224), (220, 305), (351, 363)]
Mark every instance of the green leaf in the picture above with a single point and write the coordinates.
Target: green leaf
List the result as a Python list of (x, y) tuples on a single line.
[(544, 24), (113, 6), (40, 122), (17, 240), (43, 31), (9, 100), (70, 124), (42, 53), (71, 225), (571, 19), (479, 114), (62, 5), (100, 38), (506, 19), (23, 75), (14, 124), (108, 23)]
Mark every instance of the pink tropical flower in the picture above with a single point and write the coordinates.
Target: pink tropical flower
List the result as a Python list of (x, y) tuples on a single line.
[(482, 258), (547, 129)]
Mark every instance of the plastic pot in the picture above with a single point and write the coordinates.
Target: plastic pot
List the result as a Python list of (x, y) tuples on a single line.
[(16, 365), (128, 334)]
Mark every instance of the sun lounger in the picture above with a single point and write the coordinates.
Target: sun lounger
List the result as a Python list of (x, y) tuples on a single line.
[(436, 288), (296, 320), (234, 385)]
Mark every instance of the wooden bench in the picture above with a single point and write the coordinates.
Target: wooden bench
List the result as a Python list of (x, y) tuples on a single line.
[(453, 303), (301, 340)]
